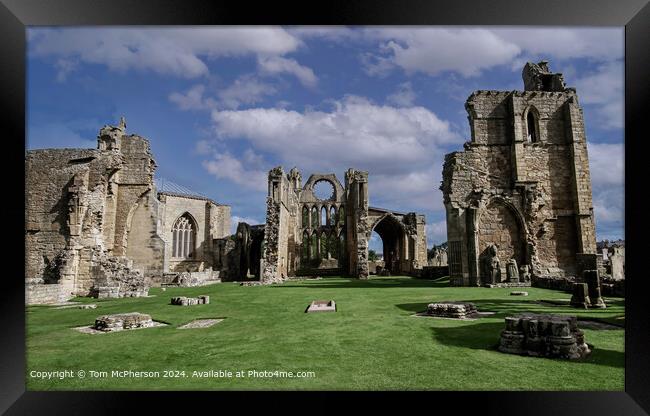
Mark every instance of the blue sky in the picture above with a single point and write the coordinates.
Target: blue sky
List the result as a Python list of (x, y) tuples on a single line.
[(223, 105)]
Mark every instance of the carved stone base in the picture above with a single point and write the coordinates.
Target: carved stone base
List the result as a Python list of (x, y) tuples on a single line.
[(457, 310), (184, 301), (120, 321), (543, 335)]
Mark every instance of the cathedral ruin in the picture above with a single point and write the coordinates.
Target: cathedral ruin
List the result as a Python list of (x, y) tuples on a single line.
[(99, 225), (518, 206), (520, 193), (307, 234), (96, 224)]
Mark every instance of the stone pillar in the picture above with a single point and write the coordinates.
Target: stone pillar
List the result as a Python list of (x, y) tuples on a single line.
[(356, 184), (581, 180), (518, 109), (580, 297), (593, 283), (472, 247)]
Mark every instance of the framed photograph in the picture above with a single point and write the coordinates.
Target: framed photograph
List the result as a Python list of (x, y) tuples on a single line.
[(380, 199)]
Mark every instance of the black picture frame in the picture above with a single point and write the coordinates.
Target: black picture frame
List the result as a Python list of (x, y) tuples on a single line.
[(15, 15)]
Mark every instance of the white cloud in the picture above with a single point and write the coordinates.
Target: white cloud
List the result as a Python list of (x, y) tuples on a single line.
[(65, 67), (330, 33), (435, 50), (226, 166), (604, 89), (607, 163), (375, 65), (410, 190), (245, 90), (193, 99), (607, 167), (401, 147), (468, 51), (403, 97), (203, 147), (436, 232), (171, 51), (609, 211), (567, 43), (277, 65), (355, 133)]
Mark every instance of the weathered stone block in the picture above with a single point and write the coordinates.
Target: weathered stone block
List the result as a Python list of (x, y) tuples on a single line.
[(543, 335), (457, 310), (518, 293), (121, 321), (185, 301)]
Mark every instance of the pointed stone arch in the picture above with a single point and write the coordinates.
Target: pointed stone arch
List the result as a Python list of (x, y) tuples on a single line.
[(501, 224), (532, 133), (394, 238)]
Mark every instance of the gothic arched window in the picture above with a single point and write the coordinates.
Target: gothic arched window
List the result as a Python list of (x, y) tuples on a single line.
[(314, 217), (532, 127), (313, 246), (183, 237), (305, 245), (305, 216), (323, 239)]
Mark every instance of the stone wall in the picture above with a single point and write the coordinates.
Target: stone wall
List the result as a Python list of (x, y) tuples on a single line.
[(39, 294), (145, 246), (93, 223), (49, 175), (210, 221)]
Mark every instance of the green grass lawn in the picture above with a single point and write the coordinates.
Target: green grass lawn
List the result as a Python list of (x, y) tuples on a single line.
[(373, 341)]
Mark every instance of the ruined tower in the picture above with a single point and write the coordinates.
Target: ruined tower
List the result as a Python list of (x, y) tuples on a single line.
[(522, 184)]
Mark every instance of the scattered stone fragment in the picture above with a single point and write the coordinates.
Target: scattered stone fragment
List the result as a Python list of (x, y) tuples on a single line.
[(185, 301), (255, 283), (163, 289), (456, 310), (322, 306), (507, 285), (121, 321), (518, 293), (543, 335), (200, 323)]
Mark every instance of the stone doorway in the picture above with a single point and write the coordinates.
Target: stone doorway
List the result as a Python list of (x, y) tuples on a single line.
[(393, 238)]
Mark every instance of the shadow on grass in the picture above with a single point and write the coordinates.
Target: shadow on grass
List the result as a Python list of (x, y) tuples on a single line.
[(375, 283), (500, 307), (506, 307), (485, 336)]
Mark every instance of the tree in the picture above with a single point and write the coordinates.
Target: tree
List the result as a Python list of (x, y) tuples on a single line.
[(372, 255)]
